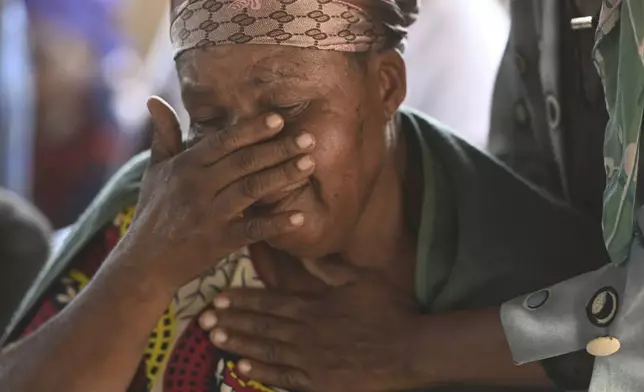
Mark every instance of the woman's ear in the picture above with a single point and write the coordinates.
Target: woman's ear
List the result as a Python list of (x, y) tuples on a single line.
[(392, 80)]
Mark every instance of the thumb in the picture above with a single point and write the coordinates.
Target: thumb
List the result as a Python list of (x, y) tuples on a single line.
[(332, 270), (166, 140)]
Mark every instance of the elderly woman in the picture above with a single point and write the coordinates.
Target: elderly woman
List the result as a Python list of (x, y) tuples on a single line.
[(379, 238)]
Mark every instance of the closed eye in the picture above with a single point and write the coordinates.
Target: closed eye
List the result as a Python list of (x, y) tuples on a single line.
[(292, 110), (199, 126), (210, 122)]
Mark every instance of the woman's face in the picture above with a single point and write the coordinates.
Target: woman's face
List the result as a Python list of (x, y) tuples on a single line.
[(330, 95)]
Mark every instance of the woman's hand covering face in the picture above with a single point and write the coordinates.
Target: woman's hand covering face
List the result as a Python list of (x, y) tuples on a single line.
[(191, 207)]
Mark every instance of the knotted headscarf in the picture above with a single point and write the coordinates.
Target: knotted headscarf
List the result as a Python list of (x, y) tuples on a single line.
[(338, 25)]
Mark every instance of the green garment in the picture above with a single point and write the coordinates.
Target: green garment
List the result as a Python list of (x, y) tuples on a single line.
[(508, 238), (485, 235), (619, 56)]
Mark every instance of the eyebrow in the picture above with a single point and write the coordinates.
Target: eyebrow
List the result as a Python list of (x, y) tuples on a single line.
[(190, 87), (263, 77)]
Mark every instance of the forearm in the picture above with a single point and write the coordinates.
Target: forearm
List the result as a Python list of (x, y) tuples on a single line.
[(96, 343), (469, 347)]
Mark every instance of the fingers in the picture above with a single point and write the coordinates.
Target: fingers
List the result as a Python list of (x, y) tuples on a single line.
[(166, 140), (290, 378), (261, 156), (259, 349), (219, 144), (241, 194), (251, 230), (251, 324), (270, 358), (263, 302)]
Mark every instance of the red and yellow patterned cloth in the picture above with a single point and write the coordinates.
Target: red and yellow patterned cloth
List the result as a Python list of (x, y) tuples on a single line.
[(179, 356)]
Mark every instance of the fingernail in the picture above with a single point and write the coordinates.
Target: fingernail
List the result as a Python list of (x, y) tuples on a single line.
[(305, 163), (207, 321), (244, 366), (274, 121), (219, 336), (297, 219), (304, 141), (222, 303)]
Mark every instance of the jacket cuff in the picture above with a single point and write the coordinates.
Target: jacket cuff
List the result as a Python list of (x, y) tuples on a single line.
[(555, 321)]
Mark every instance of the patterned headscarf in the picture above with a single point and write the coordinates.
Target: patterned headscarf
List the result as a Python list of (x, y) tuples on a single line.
[(339, 25)]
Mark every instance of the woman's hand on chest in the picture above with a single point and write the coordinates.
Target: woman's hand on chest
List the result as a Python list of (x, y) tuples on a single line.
[(329, 327)]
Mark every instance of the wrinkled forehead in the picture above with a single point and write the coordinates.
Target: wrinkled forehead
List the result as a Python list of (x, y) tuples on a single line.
[(259, 66)]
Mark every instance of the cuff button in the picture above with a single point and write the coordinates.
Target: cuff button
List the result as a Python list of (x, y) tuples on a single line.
[(603, 347)]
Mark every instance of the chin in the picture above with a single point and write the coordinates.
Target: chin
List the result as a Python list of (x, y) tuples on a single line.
[(306, 242)]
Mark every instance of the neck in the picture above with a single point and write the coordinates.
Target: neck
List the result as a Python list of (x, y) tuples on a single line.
[(384, 240)]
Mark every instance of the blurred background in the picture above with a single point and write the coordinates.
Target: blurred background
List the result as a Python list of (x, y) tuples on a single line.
[(75, 76)]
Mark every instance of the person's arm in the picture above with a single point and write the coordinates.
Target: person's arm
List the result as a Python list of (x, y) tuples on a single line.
[(385, 344), (469, 348), (97, 342), (533, 340)]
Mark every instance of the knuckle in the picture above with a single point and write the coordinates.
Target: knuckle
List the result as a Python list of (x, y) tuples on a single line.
[(247, 160), (252, 186), (215, 142), (284, 149), (261, 327), (271, 353), (288, 378), (226, 140), (289, 172), (253, 230)]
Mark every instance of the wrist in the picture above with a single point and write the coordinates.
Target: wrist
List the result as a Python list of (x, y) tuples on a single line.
[(153, 264), (450, 348), (421, 349), (467, 347), (127, 270), (410, 357)]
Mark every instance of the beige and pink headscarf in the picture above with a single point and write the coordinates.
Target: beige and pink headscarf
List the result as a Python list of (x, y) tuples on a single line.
[(338, 25)]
